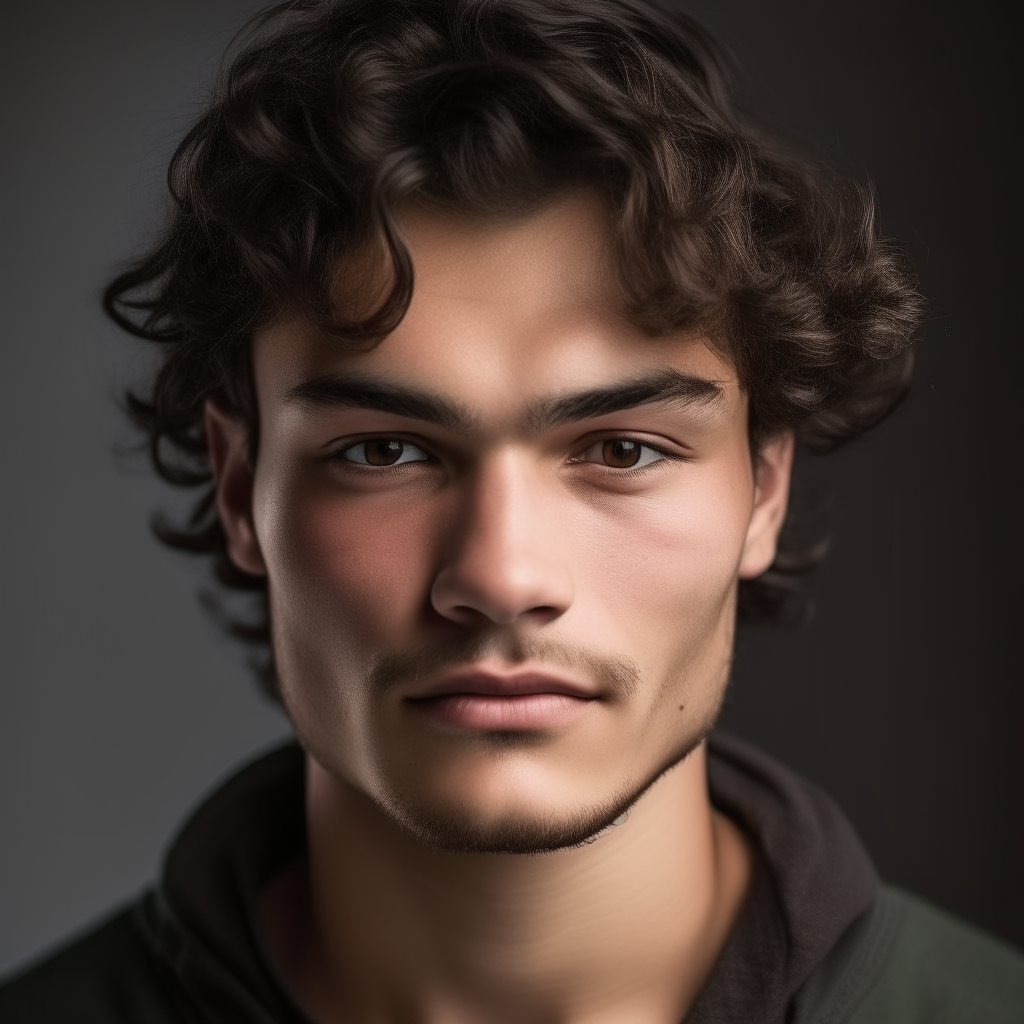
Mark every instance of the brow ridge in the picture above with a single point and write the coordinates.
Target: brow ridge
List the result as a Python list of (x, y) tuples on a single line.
[(664, 385), (361, 392)]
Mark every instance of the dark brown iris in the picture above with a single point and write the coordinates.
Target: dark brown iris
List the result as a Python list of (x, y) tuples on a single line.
[(621, 454), (382, 452)]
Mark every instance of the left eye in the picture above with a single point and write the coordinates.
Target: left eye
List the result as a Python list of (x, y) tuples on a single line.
[(621, 453), (383, 451)]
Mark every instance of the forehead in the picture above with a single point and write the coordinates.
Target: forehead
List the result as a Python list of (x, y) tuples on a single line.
[(502, 312)]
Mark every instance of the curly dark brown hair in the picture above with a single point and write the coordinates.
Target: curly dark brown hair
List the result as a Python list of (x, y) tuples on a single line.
[(332, 112)]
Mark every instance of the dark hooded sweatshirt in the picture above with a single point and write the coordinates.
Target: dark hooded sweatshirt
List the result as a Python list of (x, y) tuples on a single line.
[(818, 940)]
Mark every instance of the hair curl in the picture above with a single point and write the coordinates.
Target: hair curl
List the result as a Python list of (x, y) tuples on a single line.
[(331, 112)]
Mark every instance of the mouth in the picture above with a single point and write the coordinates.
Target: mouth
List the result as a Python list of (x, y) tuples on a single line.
[(495, 702)]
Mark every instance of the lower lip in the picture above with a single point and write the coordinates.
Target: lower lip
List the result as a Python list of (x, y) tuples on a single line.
[(495, 713)]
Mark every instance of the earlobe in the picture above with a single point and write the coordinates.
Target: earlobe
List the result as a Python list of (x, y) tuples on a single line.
[(227, 442), (773, 465)]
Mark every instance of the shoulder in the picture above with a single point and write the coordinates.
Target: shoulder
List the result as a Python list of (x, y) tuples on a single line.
[(941, 969), (106, 976), (907, 962)]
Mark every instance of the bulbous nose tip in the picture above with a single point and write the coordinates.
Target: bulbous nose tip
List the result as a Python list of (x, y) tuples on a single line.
[(502, 559), (490, 596)]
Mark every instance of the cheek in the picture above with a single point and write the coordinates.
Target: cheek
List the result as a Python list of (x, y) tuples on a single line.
[(360, 566), (667, 563)]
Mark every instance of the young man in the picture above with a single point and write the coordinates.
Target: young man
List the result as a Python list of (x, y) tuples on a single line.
[(490, 329)]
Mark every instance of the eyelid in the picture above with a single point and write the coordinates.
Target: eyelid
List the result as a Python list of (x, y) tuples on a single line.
[(343, 441), (339, 446), (664, 450)]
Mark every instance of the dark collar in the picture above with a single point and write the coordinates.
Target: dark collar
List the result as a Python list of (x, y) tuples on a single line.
[(811, 880)]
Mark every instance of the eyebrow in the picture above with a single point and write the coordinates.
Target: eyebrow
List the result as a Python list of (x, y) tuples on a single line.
[(361, 392), (665, 385), (364, 392)]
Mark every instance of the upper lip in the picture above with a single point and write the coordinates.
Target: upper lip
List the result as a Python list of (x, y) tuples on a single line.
[(494, 684)]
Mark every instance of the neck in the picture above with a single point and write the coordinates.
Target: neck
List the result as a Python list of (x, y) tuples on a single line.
[(626, 927)]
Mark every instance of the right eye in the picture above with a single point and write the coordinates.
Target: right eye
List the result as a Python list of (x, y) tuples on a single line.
[(383, 451)]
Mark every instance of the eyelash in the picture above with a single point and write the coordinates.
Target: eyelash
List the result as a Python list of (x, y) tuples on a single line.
[(338, 456), (663, 455)]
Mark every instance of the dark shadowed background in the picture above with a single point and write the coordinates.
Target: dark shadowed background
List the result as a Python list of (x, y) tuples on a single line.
[(120, 704)]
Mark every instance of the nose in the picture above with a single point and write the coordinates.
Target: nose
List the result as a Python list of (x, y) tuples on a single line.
[(504, 559)]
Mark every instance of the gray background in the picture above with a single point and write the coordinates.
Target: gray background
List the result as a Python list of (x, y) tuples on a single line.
[(119, 702)]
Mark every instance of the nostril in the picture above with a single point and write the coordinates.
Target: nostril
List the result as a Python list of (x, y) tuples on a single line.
[(544, 612), (474, 589), (467, 614)]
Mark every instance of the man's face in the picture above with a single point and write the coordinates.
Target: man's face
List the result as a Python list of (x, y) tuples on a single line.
[(503, 545)]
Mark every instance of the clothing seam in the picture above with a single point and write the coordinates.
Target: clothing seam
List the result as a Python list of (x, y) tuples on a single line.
[(869, 958)]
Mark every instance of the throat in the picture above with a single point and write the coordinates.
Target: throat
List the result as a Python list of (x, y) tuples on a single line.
[(377, 927)]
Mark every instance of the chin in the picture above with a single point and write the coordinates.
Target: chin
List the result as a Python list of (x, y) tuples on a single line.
[(462, 829), (515, 808)]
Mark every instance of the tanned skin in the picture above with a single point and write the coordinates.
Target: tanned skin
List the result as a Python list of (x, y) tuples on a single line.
[(503, 550)]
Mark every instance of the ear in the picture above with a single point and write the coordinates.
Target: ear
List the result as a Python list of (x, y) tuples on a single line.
[(227, 440), (773, 466)]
